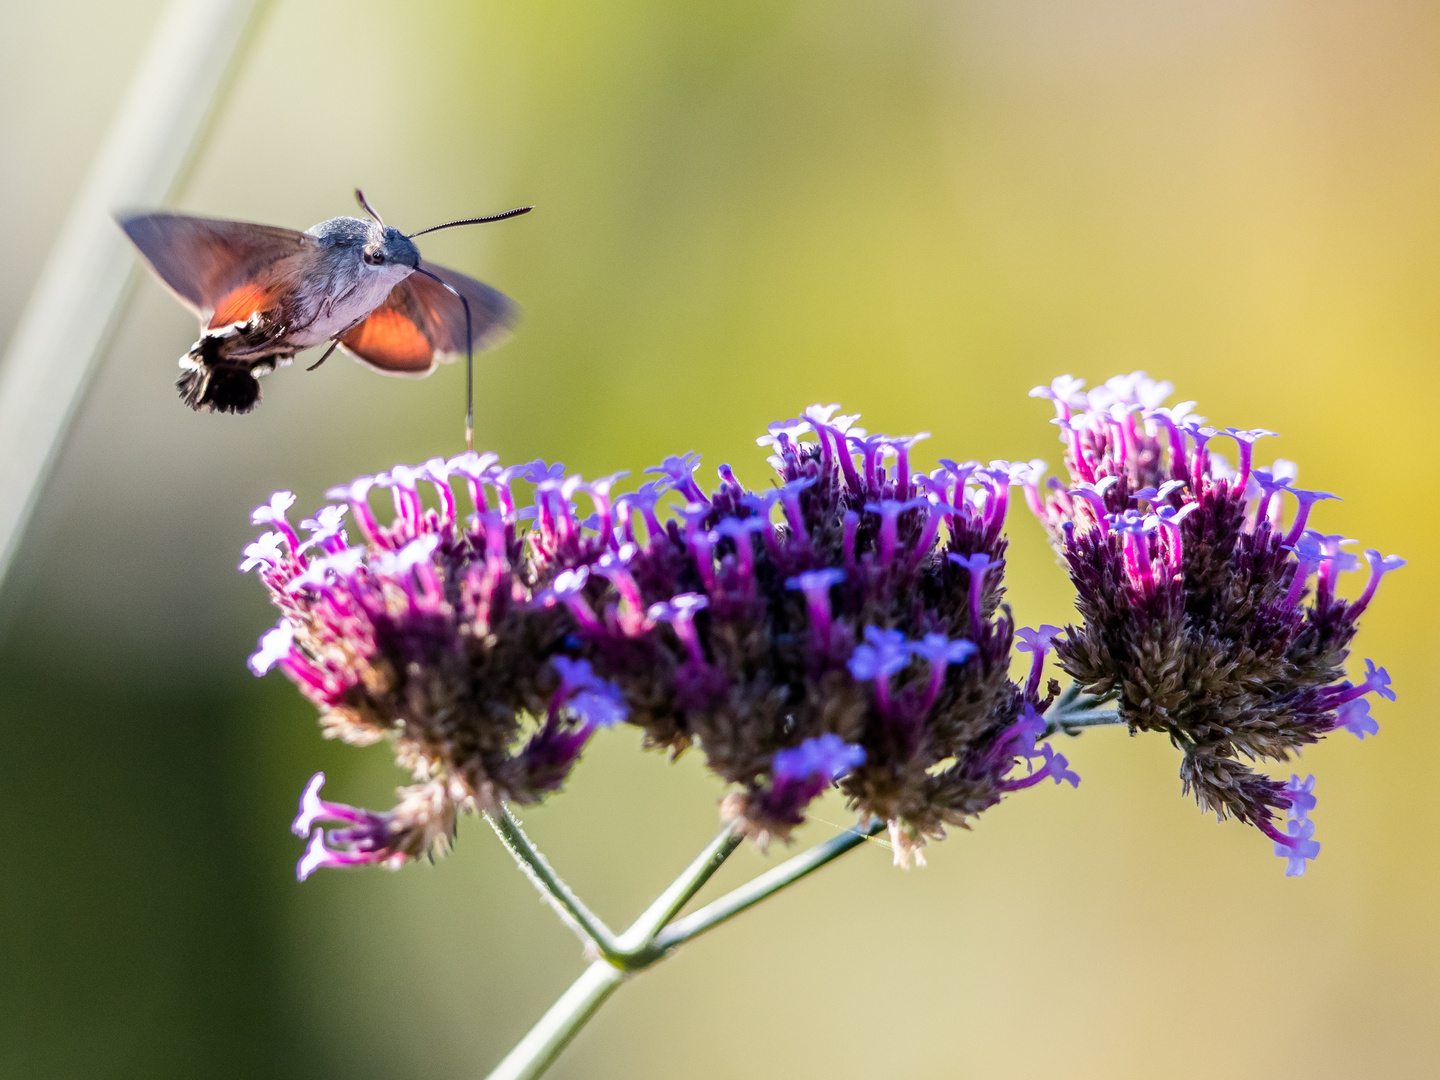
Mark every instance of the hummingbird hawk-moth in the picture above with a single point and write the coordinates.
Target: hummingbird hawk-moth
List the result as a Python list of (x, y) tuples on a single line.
[(264, 294)]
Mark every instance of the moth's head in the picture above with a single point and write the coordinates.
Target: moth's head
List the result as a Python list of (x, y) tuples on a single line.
[(388, 246), (385, 245)]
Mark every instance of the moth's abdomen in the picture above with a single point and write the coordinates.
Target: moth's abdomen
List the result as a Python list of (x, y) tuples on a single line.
[(213, 379), (218, 389)]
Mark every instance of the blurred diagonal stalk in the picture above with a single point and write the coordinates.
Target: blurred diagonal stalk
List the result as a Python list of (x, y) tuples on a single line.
[(82, 286)]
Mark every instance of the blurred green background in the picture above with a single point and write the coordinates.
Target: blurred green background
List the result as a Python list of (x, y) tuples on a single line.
[(919, 209)]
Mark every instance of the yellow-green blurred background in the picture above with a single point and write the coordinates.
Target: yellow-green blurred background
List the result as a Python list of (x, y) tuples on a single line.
[(919, 209)]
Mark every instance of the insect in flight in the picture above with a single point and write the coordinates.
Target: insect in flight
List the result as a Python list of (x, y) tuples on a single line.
[(264, 293)]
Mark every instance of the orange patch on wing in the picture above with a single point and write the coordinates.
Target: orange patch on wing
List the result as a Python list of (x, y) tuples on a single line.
[(239, 304), (390, 341)]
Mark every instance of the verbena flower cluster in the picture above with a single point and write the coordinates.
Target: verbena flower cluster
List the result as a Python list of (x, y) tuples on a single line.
[(1196, 592), (843, 625)]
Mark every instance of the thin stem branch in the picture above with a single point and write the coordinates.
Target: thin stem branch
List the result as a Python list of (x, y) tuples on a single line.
[(762, 887), (542, 1044), (651, 944), (1071, 724), (552, 887), (1074, 710), (657, 933), (635, 940)]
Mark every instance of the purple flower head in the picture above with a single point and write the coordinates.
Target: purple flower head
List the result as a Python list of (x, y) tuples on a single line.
[(1194, 616), (488, 647)]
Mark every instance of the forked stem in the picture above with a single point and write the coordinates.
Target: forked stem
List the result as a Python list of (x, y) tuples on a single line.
[(648, 940), (657, 932)]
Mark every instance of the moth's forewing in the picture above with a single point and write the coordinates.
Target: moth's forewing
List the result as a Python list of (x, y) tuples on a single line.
[(222, 270)]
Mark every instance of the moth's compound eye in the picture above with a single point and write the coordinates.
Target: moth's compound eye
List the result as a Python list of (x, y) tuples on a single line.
[(374, 258)]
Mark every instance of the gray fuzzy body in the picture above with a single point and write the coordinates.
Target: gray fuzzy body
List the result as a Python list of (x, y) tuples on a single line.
[(330, 287)]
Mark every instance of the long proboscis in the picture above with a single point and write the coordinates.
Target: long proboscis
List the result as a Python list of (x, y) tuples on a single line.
[(475, 221), (469, 357)]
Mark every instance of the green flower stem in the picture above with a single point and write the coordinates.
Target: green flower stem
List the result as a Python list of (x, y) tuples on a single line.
[(654, 936), (634, 945), (567, 905), (1074, 710), (1070, 725), (542, 1044), (631, 950), (762, 887), (647, 941)]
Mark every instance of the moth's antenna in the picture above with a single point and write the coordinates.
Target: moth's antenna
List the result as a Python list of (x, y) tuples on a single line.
[(471, 221), (469, 357), (360, 198)]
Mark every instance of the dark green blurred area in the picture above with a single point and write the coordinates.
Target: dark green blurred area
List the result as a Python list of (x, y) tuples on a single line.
[(917, 209)]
